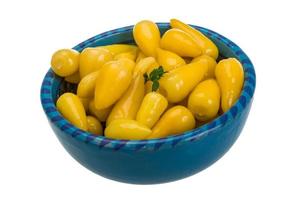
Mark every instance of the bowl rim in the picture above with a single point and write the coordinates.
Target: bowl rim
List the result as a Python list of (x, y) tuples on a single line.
[(153, 144)]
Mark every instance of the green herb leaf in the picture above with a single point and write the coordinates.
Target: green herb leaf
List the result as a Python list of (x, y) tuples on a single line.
[(154, 76), (156, 73), (155, 86)]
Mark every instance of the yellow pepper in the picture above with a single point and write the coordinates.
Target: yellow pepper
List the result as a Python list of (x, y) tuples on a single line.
[(115, 49), (178, 83), (113, 80), (230, 76), (147, 36), (152, 107), (204, 101), (207, 46), (94, 126), (70, 106), (101, 114), (169, 60), (128, 54), (92, 59), (128, 105), (180, 42), (86, 87), (140, 56), (65, 62), (144, 65), (127, 129), (73, 78), (177, 119), (211, 63)]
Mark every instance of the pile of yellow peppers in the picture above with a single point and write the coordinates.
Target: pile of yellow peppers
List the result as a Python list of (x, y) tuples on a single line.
[(162, 86)]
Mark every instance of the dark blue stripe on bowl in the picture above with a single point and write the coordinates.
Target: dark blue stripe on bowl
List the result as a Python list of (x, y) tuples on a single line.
[(212, 124), (193, 139), (158, 144), (246, 61), (56, 118), (242, 101), (230, 43), (89, 138), (219, 38), (250, 80), (233, 111), (175, 141), (46, 82), (82, 45), (45, 91), (66, 126), (46, 100), (50, 109), (223, 119), (121, 144), (140, 145), (250, 70), (76, 133), (248, 90), (239, 52), (103, 143)]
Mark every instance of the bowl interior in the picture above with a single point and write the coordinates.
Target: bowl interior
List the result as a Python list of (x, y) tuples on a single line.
[(56, 86)]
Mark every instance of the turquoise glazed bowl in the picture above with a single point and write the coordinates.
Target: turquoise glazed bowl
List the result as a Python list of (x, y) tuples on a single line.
[(158, 160)]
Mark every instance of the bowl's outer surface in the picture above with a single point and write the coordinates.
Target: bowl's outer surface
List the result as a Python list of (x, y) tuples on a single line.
[(152, 161)]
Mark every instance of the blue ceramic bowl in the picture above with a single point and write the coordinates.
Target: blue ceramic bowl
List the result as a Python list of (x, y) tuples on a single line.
[(157, 160)]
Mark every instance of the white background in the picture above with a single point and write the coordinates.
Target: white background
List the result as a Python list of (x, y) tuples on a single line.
[(263, 163)]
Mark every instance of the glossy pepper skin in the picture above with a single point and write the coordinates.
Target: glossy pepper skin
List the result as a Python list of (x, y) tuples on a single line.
[(178, 83), (65, 62), (101, 114), (207, 46), (70, 106), (92, 58), (127, 129), (230, 77), (115, 49), (73, 78), (132, 54), (86, 87), (147, 36), (94, 126), (152, 107), (128, 105), (204, 101), (144, 65), (169, 60), (113, 80), (177, 119), (179, 42), (211, 63)]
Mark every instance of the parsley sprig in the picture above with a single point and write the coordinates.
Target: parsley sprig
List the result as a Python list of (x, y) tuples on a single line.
[(154, 76)]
